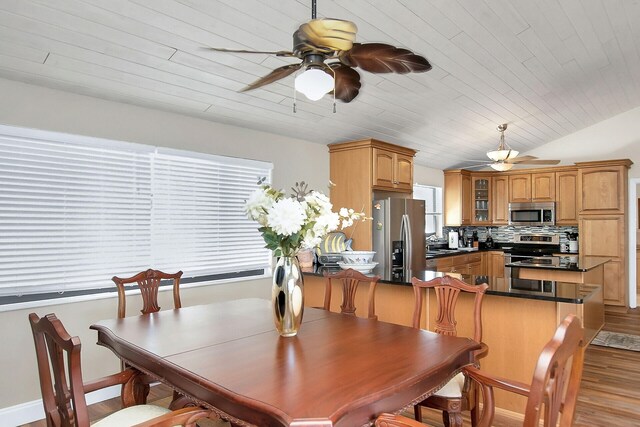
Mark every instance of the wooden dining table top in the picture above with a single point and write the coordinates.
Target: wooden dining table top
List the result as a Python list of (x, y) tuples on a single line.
[(339, 370)]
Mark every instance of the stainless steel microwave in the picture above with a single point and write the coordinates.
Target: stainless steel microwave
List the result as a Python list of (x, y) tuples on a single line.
[(532, 213)]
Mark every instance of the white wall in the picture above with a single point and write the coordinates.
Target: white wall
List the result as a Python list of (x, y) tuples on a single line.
[(428, 176), (614, 138), (37, 107)]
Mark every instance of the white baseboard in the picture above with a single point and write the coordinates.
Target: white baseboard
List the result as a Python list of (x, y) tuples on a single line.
[(33, 411)]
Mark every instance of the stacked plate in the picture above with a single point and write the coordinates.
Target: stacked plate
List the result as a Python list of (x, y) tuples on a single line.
[(361, 261)]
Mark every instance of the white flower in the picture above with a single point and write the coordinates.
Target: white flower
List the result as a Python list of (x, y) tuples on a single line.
[(286, 217), (258, 205), (344, 212)]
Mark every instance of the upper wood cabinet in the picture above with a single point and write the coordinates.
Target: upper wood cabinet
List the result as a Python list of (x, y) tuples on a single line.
[(532, 187), (392, 170), (543, 187), (481, 200), (357, 168), (603, 187), (567, 197), (457, 198), (500, 200), (520, 188)]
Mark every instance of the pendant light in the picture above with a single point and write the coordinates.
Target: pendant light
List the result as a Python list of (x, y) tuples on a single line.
[(504, 152)]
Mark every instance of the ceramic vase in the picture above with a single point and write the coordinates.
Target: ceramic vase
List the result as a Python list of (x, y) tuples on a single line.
[(287, 296)]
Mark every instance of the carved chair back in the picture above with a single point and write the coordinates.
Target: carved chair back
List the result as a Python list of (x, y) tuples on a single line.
[(553, 393), (447, 289), (350, 280), (555, 385), (148, 281), (58, 356)]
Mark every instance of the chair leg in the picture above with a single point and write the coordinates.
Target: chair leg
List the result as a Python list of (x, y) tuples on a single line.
[(452, 418), (417, 413)]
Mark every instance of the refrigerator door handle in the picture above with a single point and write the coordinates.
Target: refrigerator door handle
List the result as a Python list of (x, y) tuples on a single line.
[(405, 231)]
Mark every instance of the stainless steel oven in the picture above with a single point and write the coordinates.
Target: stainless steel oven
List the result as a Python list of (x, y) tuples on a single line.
[(532, 213)]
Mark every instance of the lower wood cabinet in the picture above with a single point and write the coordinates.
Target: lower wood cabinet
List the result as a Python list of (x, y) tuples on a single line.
[(605, 235), (461, 264), (495, 264)]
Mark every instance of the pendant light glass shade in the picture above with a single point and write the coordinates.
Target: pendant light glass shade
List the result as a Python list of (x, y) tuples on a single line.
[(501, 155), (501, 166), (314, 83)]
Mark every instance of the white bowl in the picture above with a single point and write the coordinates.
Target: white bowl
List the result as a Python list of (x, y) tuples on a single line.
[(362, 268), (357, 257)]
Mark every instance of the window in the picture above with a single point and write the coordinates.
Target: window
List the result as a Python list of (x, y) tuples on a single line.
[(75, 211), (433, 207)]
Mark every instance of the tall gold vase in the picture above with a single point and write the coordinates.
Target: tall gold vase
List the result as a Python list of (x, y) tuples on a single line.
[(287, 296)]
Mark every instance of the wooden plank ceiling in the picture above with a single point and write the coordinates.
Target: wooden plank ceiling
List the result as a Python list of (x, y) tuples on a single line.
[(546, 67)]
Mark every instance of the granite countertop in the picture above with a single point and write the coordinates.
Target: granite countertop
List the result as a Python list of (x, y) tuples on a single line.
[(441, 253), (508, 287), (565, 263)]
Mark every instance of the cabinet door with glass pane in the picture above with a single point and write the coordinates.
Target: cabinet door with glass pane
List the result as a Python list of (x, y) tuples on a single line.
[(481, 203)]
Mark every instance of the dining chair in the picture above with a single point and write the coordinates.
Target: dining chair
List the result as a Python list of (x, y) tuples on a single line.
[(552, 394), (459, 394), (350, 280), (63, 391), (148, 281)]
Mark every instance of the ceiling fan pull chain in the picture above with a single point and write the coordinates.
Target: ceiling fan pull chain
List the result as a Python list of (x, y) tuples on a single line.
[(294, 100)]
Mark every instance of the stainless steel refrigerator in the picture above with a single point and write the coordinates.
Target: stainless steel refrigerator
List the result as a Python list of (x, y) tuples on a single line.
[(398, 235)]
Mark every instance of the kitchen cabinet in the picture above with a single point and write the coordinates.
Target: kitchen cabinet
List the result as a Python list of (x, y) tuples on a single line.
[(603, 188), (604, 235), (520, 188), (567, 197), (461, 264), (532, 187), (392, 171), (495, 263), (602, 200), (500, 200), (357, 168), (481, 200), (457, 198)]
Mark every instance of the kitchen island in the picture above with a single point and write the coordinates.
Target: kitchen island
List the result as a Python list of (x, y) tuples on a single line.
[(519, 316), (574, 269)]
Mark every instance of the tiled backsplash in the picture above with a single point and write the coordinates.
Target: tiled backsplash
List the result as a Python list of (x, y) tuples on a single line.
[(505, 234)]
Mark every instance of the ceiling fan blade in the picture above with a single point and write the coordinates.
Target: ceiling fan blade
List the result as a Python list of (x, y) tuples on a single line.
[(520, 159), (384, 58), (347, 81), (478, 166), (273, 76), (324, 36), (536, 162), (277, 53)]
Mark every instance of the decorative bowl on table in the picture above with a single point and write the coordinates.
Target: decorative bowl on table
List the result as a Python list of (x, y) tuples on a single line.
[(357, 257), (362, 268)]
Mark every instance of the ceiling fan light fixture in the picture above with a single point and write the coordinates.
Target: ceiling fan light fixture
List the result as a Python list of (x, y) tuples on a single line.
[(314, 83), (502, 155), (501, 166)]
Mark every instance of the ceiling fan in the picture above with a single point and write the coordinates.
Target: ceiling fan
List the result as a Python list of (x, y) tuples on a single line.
[(329, 54), (504, 157)]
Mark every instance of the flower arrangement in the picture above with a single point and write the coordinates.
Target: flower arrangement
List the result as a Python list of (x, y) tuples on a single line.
[(289, 224)]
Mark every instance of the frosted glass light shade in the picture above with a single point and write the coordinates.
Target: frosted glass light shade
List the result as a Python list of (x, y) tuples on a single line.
[(314, 84), (501, 155), (501, 167)]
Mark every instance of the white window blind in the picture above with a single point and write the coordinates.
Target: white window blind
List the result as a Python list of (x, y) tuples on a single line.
[(75, 211)]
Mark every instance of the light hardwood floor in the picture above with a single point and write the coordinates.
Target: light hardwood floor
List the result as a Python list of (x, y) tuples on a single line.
[(609, 393)]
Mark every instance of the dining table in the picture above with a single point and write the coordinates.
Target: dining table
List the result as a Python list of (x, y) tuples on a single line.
[(339, 370)]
